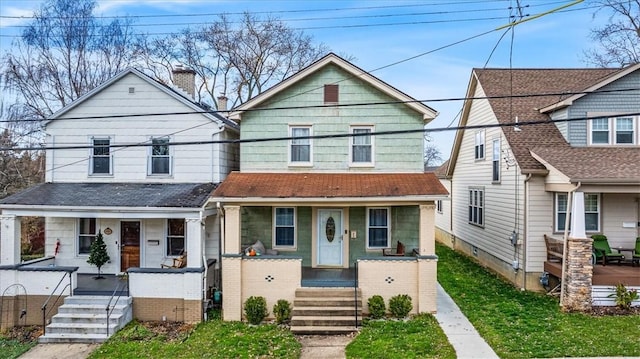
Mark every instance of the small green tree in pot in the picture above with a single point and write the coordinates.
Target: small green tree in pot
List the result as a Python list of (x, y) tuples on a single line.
[(98, 255)]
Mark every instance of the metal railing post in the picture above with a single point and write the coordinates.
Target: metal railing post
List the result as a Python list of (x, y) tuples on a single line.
[(355, 290)]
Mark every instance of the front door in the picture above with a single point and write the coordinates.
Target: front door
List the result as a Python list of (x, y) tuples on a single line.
[(129, 245), (330, 237)]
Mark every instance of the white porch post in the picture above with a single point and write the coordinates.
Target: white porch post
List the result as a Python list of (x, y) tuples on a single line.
[(427, 229), (231, 265), (195, 233), (10, 247)]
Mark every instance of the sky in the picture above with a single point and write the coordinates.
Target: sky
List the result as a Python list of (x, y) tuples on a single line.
[(426, 48)]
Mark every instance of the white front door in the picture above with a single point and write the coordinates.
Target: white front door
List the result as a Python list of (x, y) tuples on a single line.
[(330, 237)]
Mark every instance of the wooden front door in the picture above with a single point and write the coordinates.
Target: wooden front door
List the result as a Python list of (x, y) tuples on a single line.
[(129, 245)]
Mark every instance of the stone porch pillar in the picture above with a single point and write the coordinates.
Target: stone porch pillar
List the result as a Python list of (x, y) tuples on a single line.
[(427, 229), (578, 276), (231, 265), (10, 248), (194, 248)]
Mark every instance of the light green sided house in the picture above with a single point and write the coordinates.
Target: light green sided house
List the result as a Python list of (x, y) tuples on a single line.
[(328, 197)]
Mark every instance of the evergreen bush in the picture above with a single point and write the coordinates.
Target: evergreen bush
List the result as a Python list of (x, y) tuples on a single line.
[(282, 311), (400, 306), (255, 309), (377, 308)]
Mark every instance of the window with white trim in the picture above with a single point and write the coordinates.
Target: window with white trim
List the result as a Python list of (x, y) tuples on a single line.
[(495, 161), (439, 206), (378, 229), (591, 211), (361, 149), (613, 131), (479, 145), (476, 206), (175, 236), (625, 131), (101, 156), (300, 149), (160, 158), (284, 219), (87, 231)]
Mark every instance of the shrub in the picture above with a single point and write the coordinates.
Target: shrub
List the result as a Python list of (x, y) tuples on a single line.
[(624, 297), (255, 309), (282, 311), (400, 306), (377, 307)]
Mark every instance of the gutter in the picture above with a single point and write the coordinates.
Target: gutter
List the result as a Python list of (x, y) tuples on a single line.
[(525, 230)]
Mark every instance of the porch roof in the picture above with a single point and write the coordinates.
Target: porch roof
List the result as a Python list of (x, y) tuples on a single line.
[(330, 185), (182, 195)]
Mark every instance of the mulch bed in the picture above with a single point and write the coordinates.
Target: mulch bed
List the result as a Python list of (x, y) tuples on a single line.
[(613, 311), (24, 334), (169, 330)]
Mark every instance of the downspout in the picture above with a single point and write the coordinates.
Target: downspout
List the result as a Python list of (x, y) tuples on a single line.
[(222, 242), (526, 233), (566, 237), (215, 164)]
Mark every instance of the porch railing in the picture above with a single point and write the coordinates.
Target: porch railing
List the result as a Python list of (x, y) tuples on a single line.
[(46, 302), (355, 290), (118, 290)]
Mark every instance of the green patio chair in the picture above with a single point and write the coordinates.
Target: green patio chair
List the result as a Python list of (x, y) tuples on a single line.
[(636, 254), (603, 251)]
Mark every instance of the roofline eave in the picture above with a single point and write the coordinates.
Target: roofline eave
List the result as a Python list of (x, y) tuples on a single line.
[(324, 200)]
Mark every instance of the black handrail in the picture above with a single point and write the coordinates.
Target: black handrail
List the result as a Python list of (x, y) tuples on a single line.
[(46, 302), (355, 290), (117, 290)]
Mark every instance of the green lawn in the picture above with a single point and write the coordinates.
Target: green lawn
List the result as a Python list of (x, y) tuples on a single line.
[(13, 348), (519, 324), (420, 337)]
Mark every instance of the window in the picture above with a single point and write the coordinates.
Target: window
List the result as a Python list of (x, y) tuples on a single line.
[(476, 206), (101, 156), (624, 130), (160, 162), (591, 211), (300, 149), (615, 130), (86, 234), (378, 228), (285, 228), (495, 177), (175, 236), (479, 147), (361, 146), (600, 131), (439, 206), (330, 93)]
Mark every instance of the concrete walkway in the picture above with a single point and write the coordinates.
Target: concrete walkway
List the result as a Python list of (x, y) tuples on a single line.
[(461, 334), (59, 351)]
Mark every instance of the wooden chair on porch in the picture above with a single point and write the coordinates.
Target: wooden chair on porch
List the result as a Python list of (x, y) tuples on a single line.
[(603, 251), (635, 259), (179, 262), (397, 252)]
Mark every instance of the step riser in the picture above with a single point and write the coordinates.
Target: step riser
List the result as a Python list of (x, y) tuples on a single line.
[(52, 340), (301, 293), (323, 331), (327, 312), (97, 301), (97, 330), (321, 303), (351, 322), (68, 320), (87, 310)]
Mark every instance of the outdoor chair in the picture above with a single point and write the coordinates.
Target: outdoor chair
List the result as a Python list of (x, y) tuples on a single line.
[(636, 253), (555, 249), (602, 250), (398, 251), (179, 262)]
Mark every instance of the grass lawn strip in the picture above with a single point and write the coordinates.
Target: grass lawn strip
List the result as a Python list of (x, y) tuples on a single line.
[(10, 349), (521, 324)]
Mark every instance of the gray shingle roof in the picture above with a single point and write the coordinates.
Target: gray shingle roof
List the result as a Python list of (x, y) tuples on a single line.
[(183, 195)]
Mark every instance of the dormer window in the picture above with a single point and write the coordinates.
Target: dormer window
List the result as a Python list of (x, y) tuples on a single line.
[(613, 131), (330, 94)]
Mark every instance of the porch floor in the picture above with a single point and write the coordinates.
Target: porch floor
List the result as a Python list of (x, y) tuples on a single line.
[(88, 285), (611, 274), (328, 277)]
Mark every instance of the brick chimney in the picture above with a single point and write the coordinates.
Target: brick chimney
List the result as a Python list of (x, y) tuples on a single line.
[(222, 103), (185, 78)]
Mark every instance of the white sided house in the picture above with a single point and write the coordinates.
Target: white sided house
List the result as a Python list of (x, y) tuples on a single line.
[(115, 165), (532, 138)]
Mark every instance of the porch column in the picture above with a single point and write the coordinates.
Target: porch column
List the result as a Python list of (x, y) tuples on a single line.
[(578, 270), (10, 232), (427, 229), (194, 248), (231, 265)]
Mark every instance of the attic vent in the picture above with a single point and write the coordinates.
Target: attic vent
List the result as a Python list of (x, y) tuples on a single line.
[(132, 90), (330, 93)]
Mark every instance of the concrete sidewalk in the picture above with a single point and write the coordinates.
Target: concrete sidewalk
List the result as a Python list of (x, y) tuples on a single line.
[(461, 334)]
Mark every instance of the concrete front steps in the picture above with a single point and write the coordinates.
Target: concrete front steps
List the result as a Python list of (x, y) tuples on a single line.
[(326, 311), (83, 319)]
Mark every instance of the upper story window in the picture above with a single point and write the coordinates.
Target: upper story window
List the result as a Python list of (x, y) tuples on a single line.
[(101, 156), (476, 206), (300, 146), (439, 206), (495, 161), (613, 131), (378, 230), (361, 149), (479, 145), (175, 236), (86, 234), (284, 219), (331, 94), (591, 212), (160, 159)]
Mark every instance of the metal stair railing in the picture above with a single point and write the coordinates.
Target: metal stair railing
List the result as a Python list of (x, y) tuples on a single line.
[(46, 302), (355, 290), (110, 309)]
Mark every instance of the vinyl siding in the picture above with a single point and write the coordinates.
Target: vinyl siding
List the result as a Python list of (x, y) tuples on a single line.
[(190, 164), (540, 221), (332, 154), (616, 208), (443, 220)]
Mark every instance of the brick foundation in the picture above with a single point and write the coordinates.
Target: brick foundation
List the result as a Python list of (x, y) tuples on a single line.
[(170, 309)]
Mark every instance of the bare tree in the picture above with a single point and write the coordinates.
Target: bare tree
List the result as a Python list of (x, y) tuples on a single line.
[(64, 53), (618, 42), (237, 58), (432, 155)]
